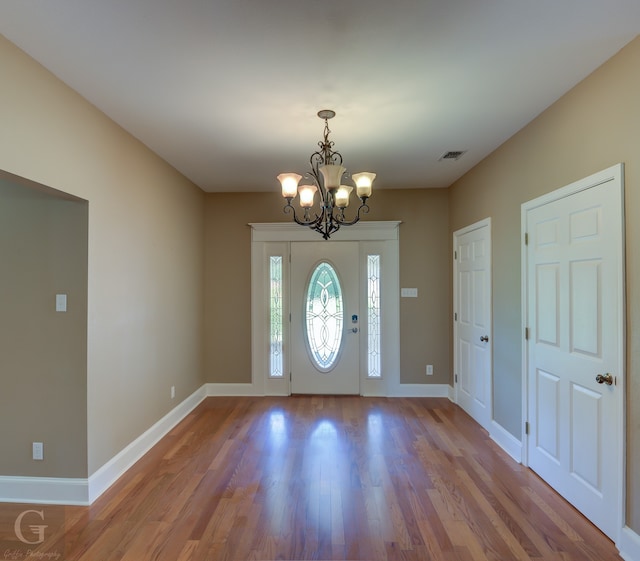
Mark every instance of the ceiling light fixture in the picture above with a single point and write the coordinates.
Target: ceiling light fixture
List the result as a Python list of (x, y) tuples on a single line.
[(326, 174)]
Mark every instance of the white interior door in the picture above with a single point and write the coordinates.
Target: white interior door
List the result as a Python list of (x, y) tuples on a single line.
[(325, 318), (472, 289), (575, 315)]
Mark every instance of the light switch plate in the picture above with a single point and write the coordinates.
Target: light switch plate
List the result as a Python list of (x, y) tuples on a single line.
[(61, 302)]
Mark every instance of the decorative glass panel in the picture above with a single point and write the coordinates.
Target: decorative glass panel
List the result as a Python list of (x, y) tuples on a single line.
[(373, 316), (276, 369), (324, 310)]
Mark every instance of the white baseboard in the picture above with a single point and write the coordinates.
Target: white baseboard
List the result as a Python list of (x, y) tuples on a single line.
[(400, 390), (629, 545), (44, 490), (421, 390), (110, 472), (229, 390), (509, 443), (452, 394)]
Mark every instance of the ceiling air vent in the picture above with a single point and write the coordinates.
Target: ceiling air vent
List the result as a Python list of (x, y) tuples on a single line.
[(452, 155)]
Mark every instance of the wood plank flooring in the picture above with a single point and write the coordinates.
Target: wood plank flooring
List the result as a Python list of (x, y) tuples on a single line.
[(327, 478)]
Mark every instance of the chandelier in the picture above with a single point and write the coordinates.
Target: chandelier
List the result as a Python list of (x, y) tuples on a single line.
[(326, 176)]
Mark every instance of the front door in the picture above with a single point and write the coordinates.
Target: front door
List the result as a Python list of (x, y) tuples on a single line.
[(472, 303), (325, 318), (575, 348)]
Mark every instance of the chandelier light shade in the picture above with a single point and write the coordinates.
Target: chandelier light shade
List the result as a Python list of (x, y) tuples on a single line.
[(326, 175), (307, 194), (289, 183)]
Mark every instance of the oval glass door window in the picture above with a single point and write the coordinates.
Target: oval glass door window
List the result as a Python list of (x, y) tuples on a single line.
[(324, 312)]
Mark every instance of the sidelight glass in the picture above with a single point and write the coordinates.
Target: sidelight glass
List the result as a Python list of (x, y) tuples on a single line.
[(324, 316), (276, 367), (373, 316)]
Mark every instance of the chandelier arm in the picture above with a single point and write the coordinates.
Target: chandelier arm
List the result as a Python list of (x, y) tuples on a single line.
[(315, 174), (290, 209), (364, 208)]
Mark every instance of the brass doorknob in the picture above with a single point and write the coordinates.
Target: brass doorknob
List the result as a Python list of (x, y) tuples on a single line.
[(484, 338), (604, 379)]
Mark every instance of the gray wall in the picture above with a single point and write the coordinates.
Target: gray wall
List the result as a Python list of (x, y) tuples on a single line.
[(43, 354)]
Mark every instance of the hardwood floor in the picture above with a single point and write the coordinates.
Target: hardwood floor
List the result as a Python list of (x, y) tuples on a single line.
[(344, 478)]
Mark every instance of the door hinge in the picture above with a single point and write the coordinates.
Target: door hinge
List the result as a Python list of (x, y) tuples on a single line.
[(455, 377), (455, 255), (455, 316), (526, 427), (526, 238), (526, 333)]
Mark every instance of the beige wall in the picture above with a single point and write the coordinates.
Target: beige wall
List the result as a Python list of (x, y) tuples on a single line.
[(425, 244), (43, 354), (145, 247), (594, 126)]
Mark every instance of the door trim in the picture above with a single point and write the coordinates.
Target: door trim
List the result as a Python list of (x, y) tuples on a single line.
[(375, 237), (614, 173), (485, 223)]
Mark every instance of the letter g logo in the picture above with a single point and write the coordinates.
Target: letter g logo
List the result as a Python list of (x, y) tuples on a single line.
[(36, 529)]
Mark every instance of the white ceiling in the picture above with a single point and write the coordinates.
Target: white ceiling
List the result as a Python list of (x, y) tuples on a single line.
[(227, 91)]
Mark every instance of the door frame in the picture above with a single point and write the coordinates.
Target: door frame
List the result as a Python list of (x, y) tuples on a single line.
[(485, 223), (614, 173), (379, 237)]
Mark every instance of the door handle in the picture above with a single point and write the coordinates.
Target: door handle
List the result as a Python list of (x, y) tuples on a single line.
[(484, 338), (354, 330), (604, 379)]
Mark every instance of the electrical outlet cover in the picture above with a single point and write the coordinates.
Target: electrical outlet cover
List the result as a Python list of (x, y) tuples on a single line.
[(38, 451)]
